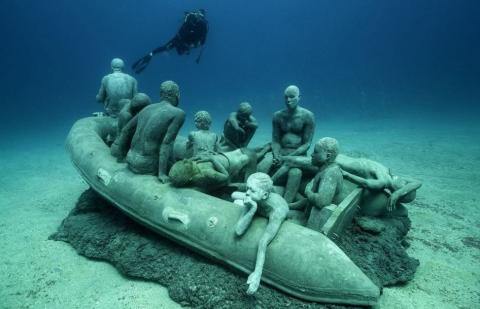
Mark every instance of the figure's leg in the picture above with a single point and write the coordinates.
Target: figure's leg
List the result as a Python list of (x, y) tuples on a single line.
[(271, 231), (266, 164), (282, 171), (293, 184)]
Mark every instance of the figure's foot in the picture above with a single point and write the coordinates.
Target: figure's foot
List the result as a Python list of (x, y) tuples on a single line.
[(253, 282)]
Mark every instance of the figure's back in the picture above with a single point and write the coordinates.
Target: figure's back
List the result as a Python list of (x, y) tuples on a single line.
[(118, 86)]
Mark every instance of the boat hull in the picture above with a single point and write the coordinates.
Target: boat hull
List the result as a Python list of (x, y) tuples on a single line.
[(299, 261)]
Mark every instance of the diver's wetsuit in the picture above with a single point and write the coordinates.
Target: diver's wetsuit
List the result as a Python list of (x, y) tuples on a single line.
[(192, 34)]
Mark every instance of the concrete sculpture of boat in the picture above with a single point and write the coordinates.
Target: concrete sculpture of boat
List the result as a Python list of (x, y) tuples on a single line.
[(301, 262)]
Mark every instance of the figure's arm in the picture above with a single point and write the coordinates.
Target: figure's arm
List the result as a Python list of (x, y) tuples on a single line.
[(189, 146), (303, 162), (135, 87), (371, 184), (275, 220), (409, 188), (234, 122), (218, 166), (252, 127), (326, 190), (166, 146), (121, 144), (276, 137), (102, 92), (250, 207), (307, 136)]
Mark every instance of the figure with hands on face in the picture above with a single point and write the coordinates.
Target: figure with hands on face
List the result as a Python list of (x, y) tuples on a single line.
[(260, 198)]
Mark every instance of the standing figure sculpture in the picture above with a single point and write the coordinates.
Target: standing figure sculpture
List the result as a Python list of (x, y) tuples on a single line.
[(293, 129), (260, 198), (239, 128), (115, 87), (202, 140), (154, 130)]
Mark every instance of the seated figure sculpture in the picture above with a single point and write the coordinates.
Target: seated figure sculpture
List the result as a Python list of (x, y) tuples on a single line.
[(239, 128), (210, 171), (325, 190), (202, 140), (261, 199), (115, 87), (293, 129), (154, 130), (131, 108)]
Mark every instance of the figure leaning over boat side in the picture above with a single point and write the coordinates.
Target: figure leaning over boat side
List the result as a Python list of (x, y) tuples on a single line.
[(202, 140), (239, 128), (115, 87), (260, 198), (385, 192), (154, 130), (209, 171), (293, 129)]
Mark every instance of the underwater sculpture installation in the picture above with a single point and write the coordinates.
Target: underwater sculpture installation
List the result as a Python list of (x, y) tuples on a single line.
[(115, 87), (300, 261)]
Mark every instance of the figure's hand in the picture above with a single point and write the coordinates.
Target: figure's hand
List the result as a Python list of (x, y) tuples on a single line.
[(247, 201), (253, 283), (163, 178), (237, 195), (277, 160), (392, 201)]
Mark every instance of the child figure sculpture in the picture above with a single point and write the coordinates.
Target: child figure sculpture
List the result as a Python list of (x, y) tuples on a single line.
[(260, 196)]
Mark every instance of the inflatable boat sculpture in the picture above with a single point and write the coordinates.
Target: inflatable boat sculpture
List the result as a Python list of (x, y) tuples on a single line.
[(301, 262)]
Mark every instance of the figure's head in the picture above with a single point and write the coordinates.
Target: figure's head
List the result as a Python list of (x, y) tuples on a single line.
[(399, 182), (244, 110), (325, 151), (169, 91), (139, 101), (117, 65), (182, 172), (292, 97), (259, 186), (203, 120)]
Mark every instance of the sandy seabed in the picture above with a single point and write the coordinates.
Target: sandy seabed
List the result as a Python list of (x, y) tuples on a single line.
[(39, 186)]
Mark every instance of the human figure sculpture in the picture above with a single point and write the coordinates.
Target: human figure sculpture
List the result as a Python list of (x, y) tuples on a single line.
[(202, 140), (385, 191), (210, 171), (239, 128), (115, 87), (131, 108), (293, 129), (154, 130), (326, 188), (260, 198)]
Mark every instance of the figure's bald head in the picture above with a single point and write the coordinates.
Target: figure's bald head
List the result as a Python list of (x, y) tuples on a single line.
[(169, 91), (117, 64), (292, 97)]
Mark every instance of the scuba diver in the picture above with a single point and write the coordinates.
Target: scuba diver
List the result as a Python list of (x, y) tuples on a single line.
[(191, 34)]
